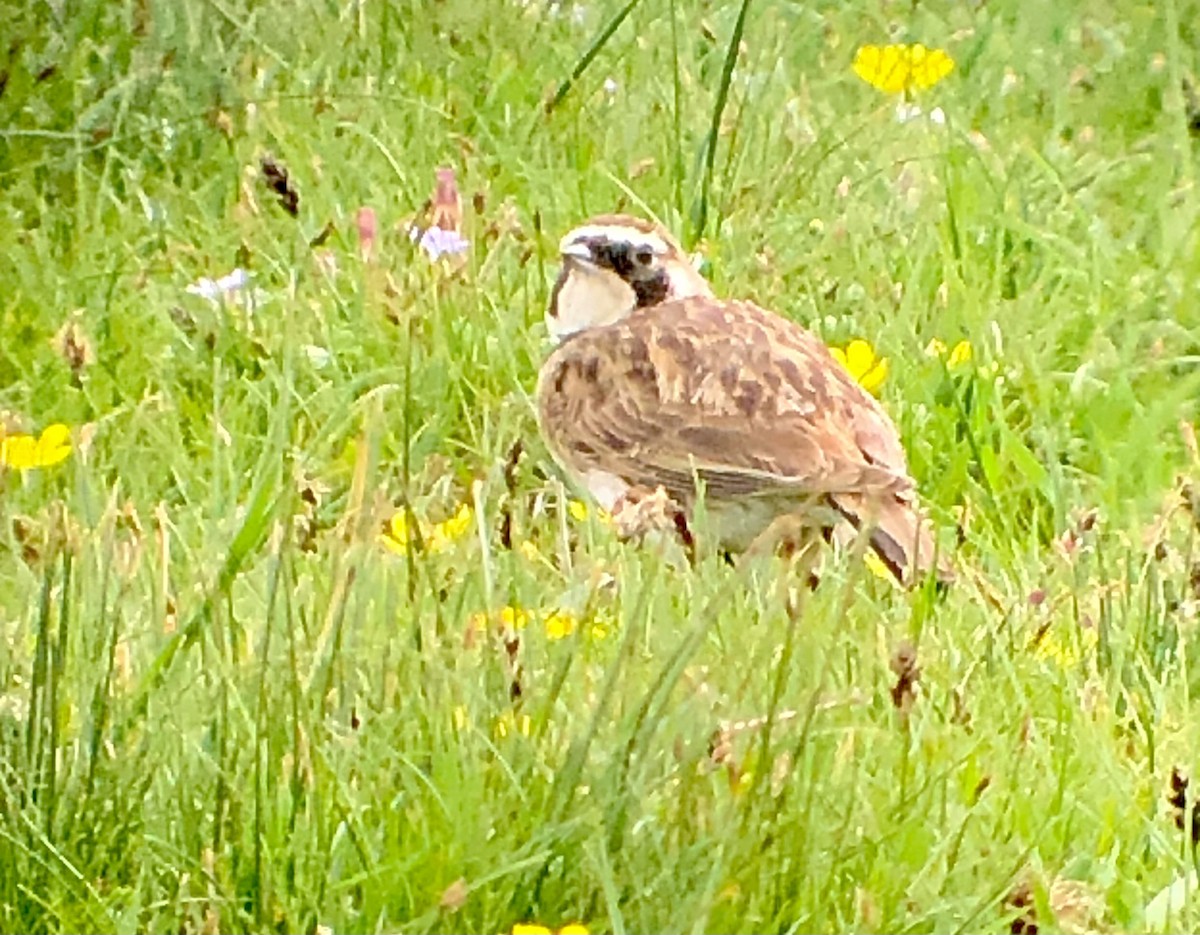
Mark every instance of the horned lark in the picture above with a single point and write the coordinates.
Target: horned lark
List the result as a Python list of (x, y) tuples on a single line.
[(658, 387)]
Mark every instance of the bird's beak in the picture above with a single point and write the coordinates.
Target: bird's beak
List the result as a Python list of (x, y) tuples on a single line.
[(577, 252)]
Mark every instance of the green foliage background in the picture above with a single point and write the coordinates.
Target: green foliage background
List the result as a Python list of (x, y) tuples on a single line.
[(223, 704)]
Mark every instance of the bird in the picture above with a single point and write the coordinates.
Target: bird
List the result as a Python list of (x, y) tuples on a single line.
[(657, 390)]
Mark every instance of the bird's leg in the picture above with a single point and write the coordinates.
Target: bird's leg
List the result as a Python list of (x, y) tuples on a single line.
[(801, 552), (795, 539), (640, 511)]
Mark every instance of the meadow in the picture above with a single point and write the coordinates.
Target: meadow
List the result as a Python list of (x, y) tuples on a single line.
[(300, 630)]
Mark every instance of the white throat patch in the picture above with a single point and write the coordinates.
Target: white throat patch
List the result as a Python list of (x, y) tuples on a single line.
[(589, 298)]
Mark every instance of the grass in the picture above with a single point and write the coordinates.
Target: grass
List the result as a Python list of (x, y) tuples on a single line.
[(224, 705)]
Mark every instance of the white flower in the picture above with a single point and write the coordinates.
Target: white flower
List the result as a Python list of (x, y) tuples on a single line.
[(907, 111), (168, 134), (318, 356), (438, 242), (979, 141), (610, 86), (214, 290)]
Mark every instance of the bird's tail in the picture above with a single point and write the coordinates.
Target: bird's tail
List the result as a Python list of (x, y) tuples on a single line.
[(898, 533)]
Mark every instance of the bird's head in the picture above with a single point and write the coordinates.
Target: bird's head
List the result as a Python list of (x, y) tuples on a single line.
[(612, 265)]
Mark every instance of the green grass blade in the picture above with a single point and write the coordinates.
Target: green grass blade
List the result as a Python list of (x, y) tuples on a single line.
[(590, 53), (709, 153)]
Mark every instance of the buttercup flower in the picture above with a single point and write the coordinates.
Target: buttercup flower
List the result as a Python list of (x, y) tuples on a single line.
[(559, 624), (513, 618), (509, 723), (507, 618), (435, 537), (860, 360), (395, 536), (901, 69), (532, 928), (878, 569), (443, 533), (530, 552), (1065, 655), (580, 511), (22, 452), (961, 353)]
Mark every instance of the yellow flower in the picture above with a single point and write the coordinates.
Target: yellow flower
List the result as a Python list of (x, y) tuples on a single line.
[(530, 928), (509, 723), (23, 452), (507, 618), (513, 618), (395, 534), (442, 534), (436, 537), (897, 69), (960, 355), (878, 569), (858, 357), (579, 511), (1066, 655), (575, 928), (460, 716), (559, 624), (529, 551)]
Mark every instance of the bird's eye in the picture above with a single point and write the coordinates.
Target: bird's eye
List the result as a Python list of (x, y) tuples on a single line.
[(643, 257)]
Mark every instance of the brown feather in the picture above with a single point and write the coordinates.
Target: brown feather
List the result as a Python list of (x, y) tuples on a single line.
[(742, 400), (897, 532)]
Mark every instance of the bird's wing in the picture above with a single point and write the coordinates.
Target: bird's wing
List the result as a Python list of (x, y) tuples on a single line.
[(742, 399)]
